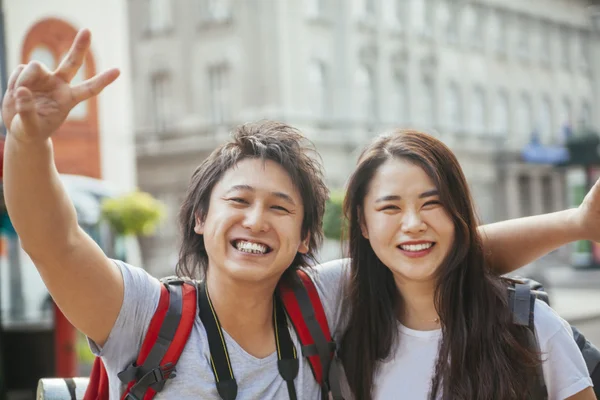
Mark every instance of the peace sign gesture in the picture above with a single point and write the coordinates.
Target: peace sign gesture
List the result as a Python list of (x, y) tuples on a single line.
[(37, 101)]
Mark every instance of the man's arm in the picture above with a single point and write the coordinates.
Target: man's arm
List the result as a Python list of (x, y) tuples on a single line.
[(515, 243), (85, 284)]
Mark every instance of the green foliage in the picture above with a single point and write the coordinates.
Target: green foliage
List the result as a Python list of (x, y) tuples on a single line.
[(136, 213), (333, 220), (84, 354)]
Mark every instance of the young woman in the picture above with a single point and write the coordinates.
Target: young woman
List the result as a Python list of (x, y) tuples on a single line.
[(427, 318)]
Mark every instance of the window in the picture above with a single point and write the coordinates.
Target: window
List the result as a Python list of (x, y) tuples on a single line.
[(478, 111), (526, 125), (586, 115), (584, 50), (218, 82), (367, 108), (428, 18), (315, 8), (452, 24), (215, 10), (400, 100), (566, 114), (454, 110), (428, 113), (500, 43), (545, 47), (161, 97), (523, 38), (473, 27), (402, 12), (565, 49), (369, 7), (160, 17), (501, 115), (545, 122), (317, 78), (44, 56)]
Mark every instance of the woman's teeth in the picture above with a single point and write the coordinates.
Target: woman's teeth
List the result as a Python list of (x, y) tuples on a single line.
[(416, 247)]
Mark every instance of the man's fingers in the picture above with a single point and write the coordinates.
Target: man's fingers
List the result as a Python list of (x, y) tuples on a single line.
[(31, 73), (13, 77), (74, 59), (25, 106), (93, 86)]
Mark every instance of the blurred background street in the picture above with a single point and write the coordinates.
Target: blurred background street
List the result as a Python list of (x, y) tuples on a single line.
[(512, 86)]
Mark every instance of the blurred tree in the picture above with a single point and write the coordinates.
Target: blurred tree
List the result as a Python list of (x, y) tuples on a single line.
[(333, 220), (133, 214)]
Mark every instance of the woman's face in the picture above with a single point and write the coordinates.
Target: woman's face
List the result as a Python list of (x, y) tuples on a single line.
[(405, 222)]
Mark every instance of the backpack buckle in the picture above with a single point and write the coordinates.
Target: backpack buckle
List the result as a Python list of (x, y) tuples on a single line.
[(155, 379)]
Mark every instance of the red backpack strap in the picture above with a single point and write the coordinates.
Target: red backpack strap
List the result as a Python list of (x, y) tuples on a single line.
[(305, 311), (165, 339), (97, 388)]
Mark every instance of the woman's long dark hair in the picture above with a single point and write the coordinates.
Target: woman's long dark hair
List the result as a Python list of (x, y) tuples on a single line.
[(482, 355)]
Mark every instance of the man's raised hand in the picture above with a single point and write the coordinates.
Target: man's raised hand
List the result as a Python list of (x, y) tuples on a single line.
[(37, 101)]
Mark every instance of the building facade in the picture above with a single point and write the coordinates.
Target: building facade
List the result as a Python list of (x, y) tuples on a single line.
[(96, 140), (486, 76)]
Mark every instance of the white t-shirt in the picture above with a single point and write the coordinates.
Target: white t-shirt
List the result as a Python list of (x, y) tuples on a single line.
[(408, 372)]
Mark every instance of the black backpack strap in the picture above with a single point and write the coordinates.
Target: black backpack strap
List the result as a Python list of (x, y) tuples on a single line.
[(522, 303), (219, 356), (287, 358), (150, 374)]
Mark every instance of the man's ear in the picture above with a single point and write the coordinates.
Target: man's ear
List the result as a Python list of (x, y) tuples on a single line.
[(304, 245), (363, 225), (199, 227)]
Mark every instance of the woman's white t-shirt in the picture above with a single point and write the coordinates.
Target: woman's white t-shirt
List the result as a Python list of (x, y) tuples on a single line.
[(408, 372)]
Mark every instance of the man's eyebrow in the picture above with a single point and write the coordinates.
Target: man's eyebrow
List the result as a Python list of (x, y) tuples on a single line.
[(395, 197), (247, 188)]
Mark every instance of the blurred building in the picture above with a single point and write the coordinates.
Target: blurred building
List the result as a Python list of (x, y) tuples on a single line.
[(95, 143), (488, 77)]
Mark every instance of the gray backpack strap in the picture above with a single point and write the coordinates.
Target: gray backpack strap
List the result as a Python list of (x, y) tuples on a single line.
[(522, 303)]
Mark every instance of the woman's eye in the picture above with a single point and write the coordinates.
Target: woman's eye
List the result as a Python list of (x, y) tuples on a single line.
[(390, 207), (432, 203), (281, 208)]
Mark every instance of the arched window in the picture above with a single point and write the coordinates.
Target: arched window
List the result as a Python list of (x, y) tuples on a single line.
[(454, 110), (428, 108), (367, 108), (526, 125), (317, 78), (546, 121), (400, 100), (501, 115), (478, 110)]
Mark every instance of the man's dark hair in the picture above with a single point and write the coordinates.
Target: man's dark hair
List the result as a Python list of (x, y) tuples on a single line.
[(264, 140)]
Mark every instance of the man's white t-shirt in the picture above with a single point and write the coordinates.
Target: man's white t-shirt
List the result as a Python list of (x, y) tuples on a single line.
[(408, 372)]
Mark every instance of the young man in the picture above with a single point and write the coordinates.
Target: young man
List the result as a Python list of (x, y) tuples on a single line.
[(253, 211)]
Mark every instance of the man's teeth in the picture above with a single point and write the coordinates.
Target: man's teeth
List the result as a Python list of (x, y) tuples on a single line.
[(249, 247), (416, 247)]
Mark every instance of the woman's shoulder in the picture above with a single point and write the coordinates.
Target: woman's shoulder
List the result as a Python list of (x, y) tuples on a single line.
[(548, 324)]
